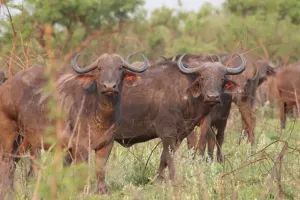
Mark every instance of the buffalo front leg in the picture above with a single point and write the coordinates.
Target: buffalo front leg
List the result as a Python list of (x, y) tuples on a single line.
[(211, 143), (166, 159), (192, 140), (101, 158), (204, 129), (248, 119), (220, 140), (8, 134), (34, 152)]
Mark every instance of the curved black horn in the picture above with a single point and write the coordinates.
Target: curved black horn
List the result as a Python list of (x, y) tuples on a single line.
[(256, 74), (238, 70), (128, 66), (185, 68), (219, 59), (174, 58), (82, 70), (271, 65), (163, 57)]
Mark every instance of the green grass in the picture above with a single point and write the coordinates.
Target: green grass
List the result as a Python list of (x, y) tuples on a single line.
[(131, 172)]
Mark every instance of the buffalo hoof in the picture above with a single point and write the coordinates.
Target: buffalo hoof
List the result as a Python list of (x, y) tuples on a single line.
[(102, 189), (220, 159), (209, 160), (160, 179)]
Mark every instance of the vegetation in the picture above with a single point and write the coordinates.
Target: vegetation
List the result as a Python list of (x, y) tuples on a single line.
[(40, 31)]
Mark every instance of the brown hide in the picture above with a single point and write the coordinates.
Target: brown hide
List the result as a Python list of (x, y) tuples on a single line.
[(215, 119), (168, 104), (89, 101), (288, 86)]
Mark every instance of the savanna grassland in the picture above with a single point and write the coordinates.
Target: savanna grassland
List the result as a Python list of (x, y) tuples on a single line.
[(268, 170), (52, 32)]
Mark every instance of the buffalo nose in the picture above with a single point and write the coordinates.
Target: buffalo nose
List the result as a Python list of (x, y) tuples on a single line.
[(109, 85), (212, 97)]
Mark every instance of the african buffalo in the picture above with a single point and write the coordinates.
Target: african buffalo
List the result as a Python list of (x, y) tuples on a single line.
[(89, 100), (168, 103), (287, 86), (215, 119), (254, 75)]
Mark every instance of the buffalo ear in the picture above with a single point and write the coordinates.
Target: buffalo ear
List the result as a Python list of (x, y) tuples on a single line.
[(232, 87), (195, 89), (86, 81), (271, 72), (131, 78)]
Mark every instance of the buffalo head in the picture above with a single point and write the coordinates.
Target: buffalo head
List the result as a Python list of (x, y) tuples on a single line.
[(210, 80), (265, 69), (107, 73)]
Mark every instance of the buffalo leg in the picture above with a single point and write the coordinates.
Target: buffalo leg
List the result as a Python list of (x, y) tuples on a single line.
[(101, 158), (34, 152), (211, 143), (220, 140), (282, 110), (68, 158), (166, 158), (248, 120), (192, 140), (8, 134), (205, 125)]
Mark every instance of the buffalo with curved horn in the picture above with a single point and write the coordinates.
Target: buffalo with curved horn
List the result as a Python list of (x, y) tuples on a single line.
[(170, 108), (89, 100)]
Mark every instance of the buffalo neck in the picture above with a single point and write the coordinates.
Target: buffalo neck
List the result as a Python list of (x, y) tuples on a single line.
[(109, 104), (197, 108)]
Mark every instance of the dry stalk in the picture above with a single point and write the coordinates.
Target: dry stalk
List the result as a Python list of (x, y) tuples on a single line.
[(231, 57), (232, 171), (38, 181), (14, 39), (58, 122), (276, 173)]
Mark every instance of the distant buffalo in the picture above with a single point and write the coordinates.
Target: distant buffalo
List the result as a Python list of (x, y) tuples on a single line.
[(288, 86), (254, 75)]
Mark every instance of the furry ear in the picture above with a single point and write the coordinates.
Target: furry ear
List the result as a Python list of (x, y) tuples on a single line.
[(271, 72), (131, 78), (231, 87), (195, 89), (86, 81)]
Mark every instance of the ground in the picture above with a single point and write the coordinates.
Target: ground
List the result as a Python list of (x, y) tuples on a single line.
[(268, 170)]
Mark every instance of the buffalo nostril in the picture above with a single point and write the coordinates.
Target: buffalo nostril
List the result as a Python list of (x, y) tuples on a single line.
[(115, 86)]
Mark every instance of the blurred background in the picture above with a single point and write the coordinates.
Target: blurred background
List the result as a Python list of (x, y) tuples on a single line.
[(267, 29)]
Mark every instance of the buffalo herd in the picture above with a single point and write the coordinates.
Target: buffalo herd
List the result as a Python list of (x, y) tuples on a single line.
[(113, 100)]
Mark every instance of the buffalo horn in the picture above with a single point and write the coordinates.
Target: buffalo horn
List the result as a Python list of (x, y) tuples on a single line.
[(271, 65), (185, 68), (82, 70), (238, 70), (129, 67)]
